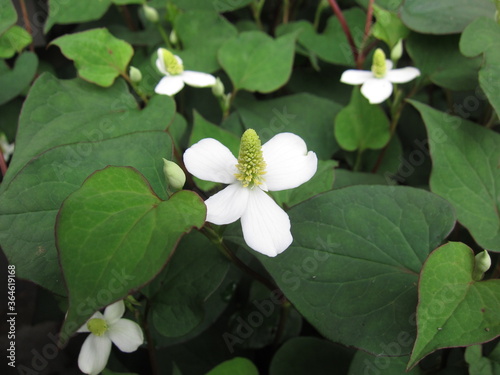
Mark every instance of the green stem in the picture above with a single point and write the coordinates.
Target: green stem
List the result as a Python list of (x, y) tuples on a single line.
[(164, 35), (284, 314), (217, 240), (137, 90), (149, 338), (257, 6), (286, 11), (317, 15), (493, 119), (359, 159)]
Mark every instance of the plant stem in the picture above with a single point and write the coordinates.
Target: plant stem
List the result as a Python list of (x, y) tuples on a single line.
[(27, 23), (368, 26), (127, 17), (164, 35), (149, 338), (359, 158), (138, 91), (3, 164), (286, 11), (345, 28), (257, 6), (217, 240)]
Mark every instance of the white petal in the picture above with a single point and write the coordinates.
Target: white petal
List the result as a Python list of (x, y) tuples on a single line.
[(210, 160), (288, 163), (266, 227), (376, 90), (126, 335), (402, 75), (388, 65), (198, 79), (160, 63), (96, 315), (114, 312), (169, 85), (227, 205), (94, 354), (355, 77)]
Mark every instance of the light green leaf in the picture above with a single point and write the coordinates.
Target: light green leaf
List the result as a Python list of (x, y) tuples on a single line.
[(444, 16), (295, 114), (479, 365), (8, 15), (310, 355), (439, 58), (388, 27), (13, 40), (355, 259), (465, 159), (98, 55), (256, 62), (194, 273), (200, 54), (321, 182), (219, 6), (483, 37), (65, 12), (114, 235), (453, 309), (14, 81), (361, 126), (321, 44), (235, 366)]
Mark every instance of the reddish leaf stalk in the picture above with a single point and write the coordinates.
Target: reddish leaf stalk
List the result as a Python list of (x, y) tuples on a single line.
[(27, 23), (345, 28), (3, 164)]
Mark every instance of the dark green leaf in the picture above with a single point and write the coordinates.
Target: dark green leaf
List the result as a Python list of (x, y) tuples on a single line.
[(64, 11), (364, 363), (14, 81), (444, 16), (465, 159), (355, 259), (8, 15), (235, 366)]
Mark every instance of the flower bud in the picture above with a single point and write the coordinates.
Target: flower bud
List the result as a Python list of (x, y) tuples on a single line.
[(174, 175), (218, 88), (150, 13), (397, 51), (173, 38), (135, 74), (482, 262)]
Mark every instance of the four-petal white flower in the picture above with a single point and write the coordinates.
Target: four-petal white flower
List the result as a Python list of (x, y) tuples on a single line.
[(281, 163), (104, 329), (175, 76), (377, 83)]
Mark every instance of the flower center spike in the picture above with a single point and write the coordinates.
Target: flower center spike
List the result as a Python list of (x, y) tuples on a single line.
[(379, 67), (172, 65), (251, 164), (97, 326)]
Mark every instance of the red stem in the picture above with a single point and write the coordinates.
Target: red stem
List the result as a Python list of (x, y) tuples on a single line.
[(27, 23), (368, 25), (3, 164), (345, 27)]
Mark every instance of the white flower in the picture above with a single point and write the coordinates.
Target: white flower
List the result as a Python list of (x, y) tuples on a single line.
[(6, 148), (175, 75), (281, 163), (104, 329), (377, 83)]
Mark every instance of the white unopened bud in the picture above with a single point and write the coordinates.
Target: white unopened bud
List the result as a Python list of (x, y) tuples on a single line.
[(397, 51), (150, 13), (174, 175), (135, 74), (482, 263), (218, 88), (173, 38)]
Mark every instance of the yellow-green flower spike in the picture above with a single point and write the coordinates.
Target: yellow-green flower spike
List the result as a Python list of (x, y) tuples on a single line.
[(251, 164), (97, 326), (379, 67), (172, 65)]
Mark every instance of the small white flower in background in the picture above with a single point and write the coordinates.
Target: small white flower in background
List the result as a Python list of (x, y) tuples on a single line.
[(175, 75), (6, 148), (105, 329), (377, 83), (281, 163)]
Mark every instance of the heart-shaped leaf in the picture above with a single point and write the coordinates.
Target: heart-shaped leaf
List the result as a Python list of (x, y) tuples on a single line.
[(354, 263), (465, 160), (99, 56), (8, 15), (13, 40), (453, 309), (483, 37), (14, 81), (256, 62), (114, 235)]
